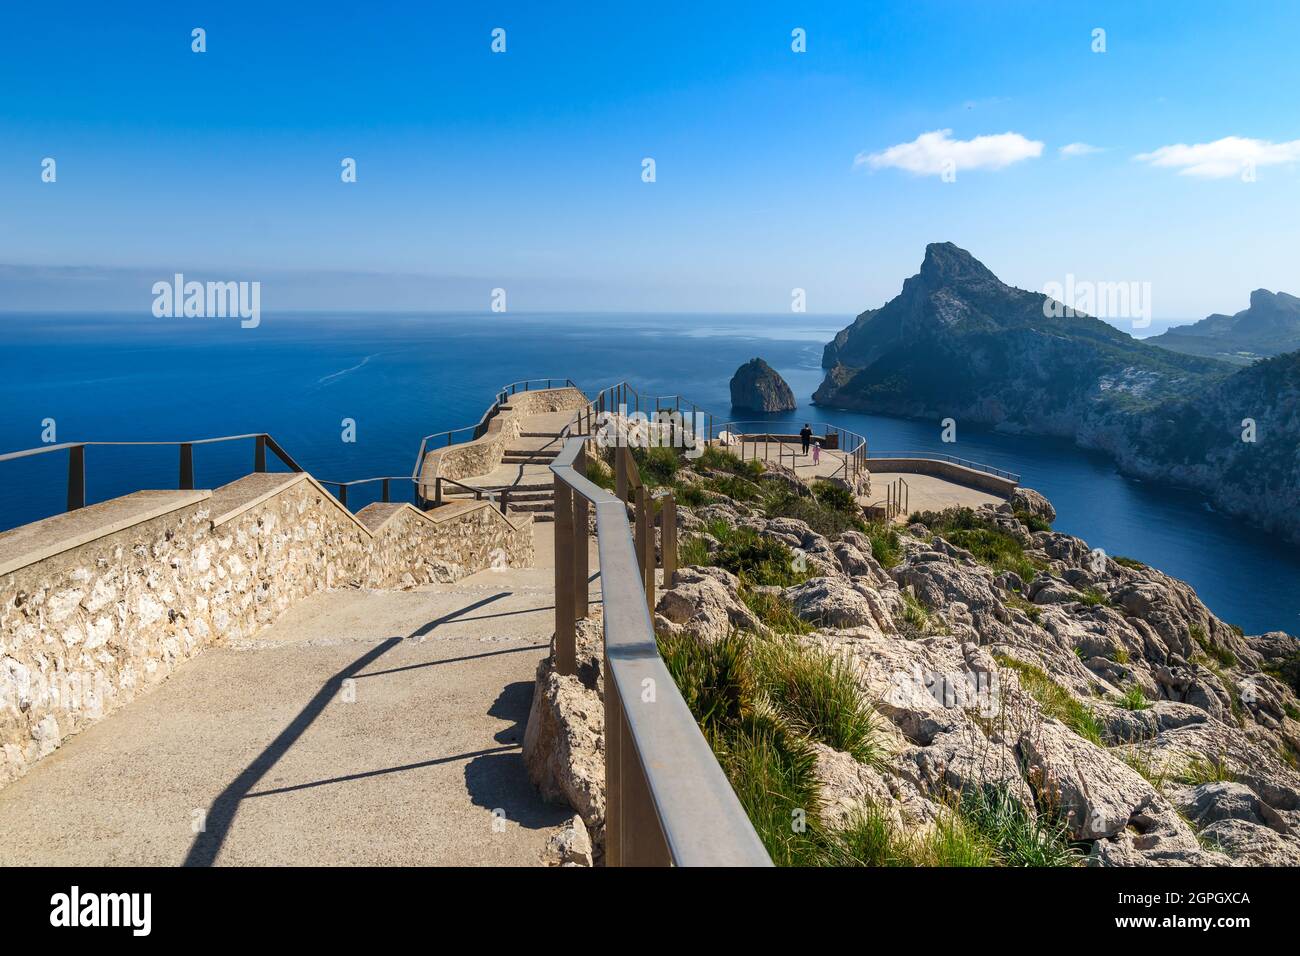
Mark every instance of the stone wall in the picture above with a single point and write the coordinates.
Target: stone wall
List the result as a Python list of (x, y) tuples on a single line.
[(413, 548), (480, 456), (85, 630)]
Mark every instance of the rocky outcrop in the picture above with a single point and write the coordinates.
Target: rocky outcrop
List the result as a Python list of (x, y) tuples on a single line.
[(1029, 500), (1105, 699), (1096, 693), (705, 604), (564, 740), (757, 387), (957, 342)]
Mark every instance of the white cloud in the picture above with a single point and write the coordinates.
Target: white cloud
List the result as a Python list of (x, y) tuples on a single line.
[(931, 153), (1223, 158), (1079, 149)]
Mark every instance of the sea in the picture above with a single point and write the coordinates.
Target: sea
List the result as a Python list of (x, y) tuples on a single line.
[(385, 380)]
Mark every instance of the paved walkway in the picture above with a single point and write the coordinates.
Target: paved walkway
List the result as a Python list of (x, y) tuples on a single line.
[(928, 493), (925, 492), (367, 728)]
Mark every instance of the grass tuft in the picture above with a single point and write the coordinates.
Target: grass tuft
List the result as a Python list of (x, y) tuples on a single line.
[(1055, 700), (1213, 770), (1134, 699), (1224, 656), (775, 610), (816, 692)]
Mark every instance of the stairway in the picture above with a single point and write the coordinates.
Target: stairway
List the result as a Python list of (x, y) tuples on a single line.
[(530, 456), (523, 475)]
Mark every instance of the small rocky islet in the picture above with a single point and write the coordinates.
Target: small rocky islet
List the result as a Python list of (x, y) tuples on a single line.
[(757, 387)]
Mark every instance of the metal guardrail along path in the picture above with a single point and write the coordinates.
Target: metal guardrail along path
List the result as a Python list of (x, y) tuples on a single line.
[(667, 800)]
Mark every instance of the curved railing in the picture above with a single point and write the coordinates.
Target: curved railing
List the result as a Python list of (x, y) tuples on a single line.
[(667, 800), (849, 445), (951, 459)]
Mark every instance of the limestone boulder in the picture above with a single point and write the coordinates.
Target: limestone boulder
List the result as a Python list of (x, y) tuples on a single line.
[(569, 845), (1027, 499), (836, 603), (704, 603), (564, 743)]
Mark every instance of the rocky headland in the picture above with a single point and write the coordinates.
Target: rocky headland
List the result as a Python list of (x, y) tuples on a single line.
[(958, 342)]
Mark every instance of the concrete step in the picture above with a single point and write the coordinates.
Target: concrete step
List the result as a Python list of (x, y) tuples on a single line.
[(533, 506), (539, 434), (518, 493)]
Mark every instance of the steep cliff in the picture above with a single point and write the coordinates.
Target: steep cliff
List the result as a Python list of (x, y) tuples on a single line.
[(957, 342)]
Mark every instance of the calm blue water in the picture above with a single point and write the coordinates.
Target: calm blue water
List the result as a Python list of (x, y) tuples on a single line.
[(404, 376)]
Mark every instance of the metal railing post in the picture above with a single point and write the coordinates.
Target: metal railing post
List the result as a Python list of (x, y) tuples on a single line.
[(259, 454), (620, 472), (565, 653), (385, 486), (613, 772), (76, 477), (668, 538), (437, 492), (187, 467), (643, 840), (581, 562), (645, 536), (343, 495)]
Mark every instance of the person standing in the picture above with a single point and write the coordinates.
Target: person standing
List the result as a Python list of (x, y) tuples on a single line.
[(805, 435), (817, 451)]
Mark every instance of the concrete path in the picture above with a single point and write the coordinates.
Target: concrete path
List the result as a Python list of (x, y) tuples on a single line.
[(366, 728), (928, 493), (791, 455)]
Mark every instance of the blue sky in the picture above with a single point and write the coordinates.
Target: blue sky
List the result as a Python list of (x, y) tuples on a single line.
[(523, 169)]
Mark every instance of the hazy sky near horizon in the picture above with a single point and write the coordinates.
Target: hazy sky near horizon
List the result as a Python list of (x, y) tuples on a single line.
[(774, 169)]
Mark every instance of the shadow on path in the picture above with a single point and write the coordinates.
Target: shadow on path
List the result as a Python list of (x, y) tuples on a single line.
[(499, 780), (221, 814)]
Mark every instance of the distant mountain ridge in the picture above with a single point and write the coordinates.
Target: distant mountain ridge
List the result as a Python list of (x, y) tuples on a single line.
[(958, 342), (1270, 326)]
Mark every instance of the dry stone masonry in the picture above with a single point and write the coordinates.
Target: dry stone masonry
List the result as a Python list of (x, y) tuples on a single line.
[(86, 629)]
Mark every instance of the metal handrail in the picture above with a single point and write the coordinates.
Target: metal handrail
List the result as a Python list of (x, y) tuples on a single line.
[(507, 390), (667, 799), (609, 399), (852, 446), (77, 459), (952, 459)]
